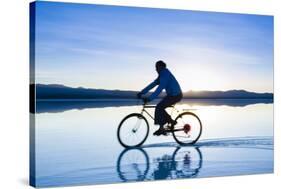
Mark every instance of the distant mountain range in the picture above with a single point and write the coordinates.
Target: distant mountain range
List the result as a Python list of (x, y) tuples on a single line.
[(54, 91)]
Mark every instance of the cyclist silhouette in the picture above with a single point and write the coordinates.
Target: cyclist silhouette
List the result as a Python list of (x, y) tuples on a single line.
[(167, 81)]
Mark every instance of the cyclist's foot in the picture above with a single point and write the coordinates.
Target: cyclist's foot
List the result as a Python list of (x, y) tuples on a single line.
[(174, 122), (160, 131)]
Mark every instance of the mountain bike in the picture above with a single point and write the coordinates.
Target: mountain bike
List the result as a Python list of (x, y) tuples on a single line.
[(133, 130)]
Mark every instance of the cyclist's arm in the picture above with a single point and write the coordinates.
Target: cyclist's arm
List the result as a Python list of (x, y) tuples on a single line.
[(163, 80), (150, 86)]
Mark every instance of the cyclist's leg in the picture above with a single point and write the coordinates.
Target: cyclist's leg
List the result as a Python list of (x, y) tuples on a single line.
[(161, 116), (160, 113)]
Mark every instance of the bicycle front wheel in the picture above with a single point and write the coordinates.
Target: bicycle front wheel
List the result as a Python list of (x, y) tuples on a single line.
[(133, 130), (133, 164), (188, 128)]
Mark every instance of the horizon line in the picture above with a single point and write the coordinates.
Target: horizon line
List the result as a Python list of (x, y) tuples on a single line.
[(138, 90)]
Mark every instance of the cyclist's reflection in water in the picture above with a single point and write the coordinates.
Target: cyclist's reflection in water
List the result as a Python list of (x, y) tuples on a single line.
[(133, 164)]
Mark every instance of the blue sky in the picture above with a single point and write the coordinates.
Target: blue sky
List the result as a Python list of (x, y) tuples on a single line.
[(113, 47)]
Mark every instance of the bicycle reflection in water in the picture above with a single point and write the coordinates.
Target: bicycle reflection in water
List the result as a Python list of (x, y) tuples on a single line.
[(133, 164)]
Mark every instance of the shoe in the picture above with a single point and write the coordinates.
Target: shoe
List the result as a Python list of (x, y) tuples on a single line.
[(174, 122), (160, 131)]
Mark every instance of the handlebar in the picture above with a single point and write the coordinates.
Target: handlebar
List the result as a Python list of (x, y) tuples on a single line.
[(144, 104)]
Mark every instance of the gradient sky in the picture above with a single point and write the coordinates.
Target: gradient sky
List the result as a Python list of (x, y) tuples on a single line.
[(113, 47)]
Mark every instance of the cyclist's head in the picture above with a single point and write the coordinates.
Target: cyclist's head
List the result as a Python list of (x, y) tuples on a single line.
[(160, 65)]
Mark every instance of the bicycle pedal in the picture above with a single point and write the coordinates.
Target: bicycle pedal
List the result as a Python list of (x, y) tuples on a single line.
[(159, 134), (166, 133)]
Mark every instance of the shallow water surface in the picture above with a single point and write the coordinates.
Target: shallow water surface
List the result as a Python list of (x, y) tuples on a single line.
[(79, 146)]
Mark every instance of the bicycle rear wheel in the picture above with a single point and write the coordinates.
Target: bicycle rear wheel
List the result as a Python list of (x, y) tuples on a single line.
[(188, 161), (188, 128), (133, 130)]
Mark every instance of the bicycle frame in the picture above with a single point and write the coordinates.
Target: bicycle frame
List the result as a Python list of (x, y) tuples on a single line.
[(170, 128)]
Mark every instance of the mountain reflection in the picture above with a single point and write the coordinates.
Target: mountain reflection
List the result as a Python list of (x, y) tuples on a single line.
[(56, 106)]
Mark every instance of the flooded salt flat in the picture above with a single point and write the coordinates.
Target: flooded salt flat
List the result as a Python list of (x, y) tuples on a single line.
[(80, 146)]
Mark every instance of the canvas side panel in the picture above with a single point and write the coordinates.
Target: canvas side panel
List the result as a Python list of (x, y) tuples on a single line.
[(32, 167)]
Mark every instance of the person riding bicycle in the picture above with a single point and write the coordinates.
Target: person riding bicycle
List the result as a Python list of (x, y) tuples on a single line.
[(167, 81)]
